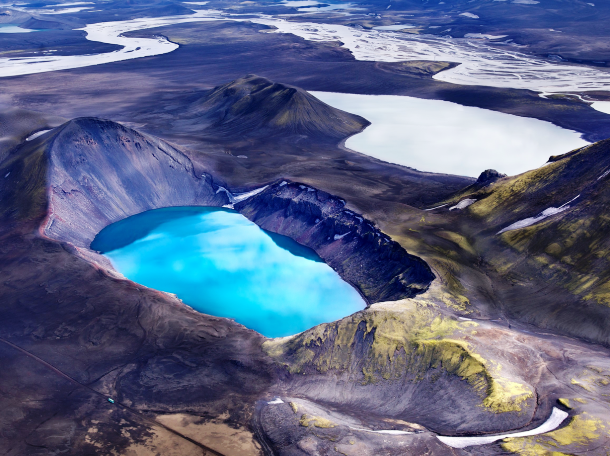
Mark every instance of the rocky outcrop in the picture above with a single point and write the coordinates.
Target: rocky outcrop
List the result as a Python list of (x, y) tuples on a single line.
[(364, 256), (487, 177)]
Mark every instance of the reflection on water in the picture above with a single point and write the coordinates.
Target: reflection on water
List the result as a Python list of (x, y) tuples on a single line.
[(220, 263), (444, 137)]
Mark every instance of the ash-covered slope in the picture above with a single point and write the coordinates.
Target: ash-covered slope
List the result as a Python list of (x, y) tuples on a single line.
[(89, 173), (16, 125), (255, 107)]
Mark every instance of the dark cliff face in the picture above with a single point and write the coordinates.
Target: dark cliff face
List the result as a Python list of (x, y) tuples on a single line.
[(255, 107), (377, 266)]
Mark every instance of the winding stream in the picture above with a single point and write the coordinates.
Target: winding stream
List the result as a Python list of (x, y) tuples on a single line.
[(105, 32), (481, 64)]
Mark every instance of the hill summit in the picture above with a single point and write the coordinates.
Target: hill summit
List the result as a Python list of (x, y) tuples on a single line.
[(254, 106)]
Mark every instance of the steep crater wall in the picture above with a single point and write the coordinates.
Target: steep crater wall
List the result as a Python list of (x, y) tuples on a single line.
[(96, 172)]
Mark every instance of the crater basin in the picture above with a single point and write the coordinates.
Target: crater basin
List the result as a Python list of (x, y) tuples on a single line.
[(220, 263)]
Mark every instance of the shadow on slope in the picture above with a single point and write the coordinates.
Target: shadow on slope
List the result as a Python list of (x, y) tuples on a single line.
[(254, 107)]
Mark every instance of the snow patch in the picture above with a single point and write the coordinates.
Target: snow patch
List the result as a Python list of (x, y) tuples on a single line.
[(463, 204), (532, 220), (557, 417), (437, 207), (36, 135), (388, 431), (277, 400), (603, 175), (483, 36), (340, 236), (239, 197), (470, 15)]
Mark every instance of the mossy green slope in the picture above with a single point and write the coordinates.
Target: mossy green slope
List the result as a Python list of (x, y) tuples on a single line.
[(554, 273), (392, 341)]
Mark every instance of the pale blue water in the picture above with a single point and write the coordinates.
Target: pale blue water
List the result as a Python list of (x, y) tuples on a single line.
[(220, 263), (12, 28)]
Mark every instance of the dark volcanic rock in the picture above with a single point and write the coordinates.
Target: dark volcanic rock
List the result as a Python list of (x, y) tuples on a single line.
[(377, 266), (255, 107), (488, 176), (114, 339)]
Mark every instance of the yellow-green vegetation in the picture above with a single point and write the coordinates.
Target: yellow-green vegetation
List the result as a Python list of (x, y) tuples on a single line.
[(459, 240), (580, 433), (316, 421), (447, 262), (565, 402), (592, 378), (294, 407), (397, 340), (570, 250), (513, 191), (577, 383)]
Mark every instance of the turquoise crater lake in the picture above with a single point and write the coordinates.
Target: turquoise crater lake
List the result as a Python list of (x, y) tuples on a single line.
[(220, 263)]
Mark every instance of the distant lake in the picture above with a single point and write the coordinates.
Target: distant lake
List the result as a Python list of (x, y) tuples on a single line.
[(443, 137), (12, 28), (220, 263)]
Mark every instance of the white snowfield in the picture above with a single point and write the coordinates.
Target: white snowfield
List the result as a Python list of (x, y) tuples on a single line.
[(556, 418), (388, 432), (463, 204), (36, 135), (544, 214)]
